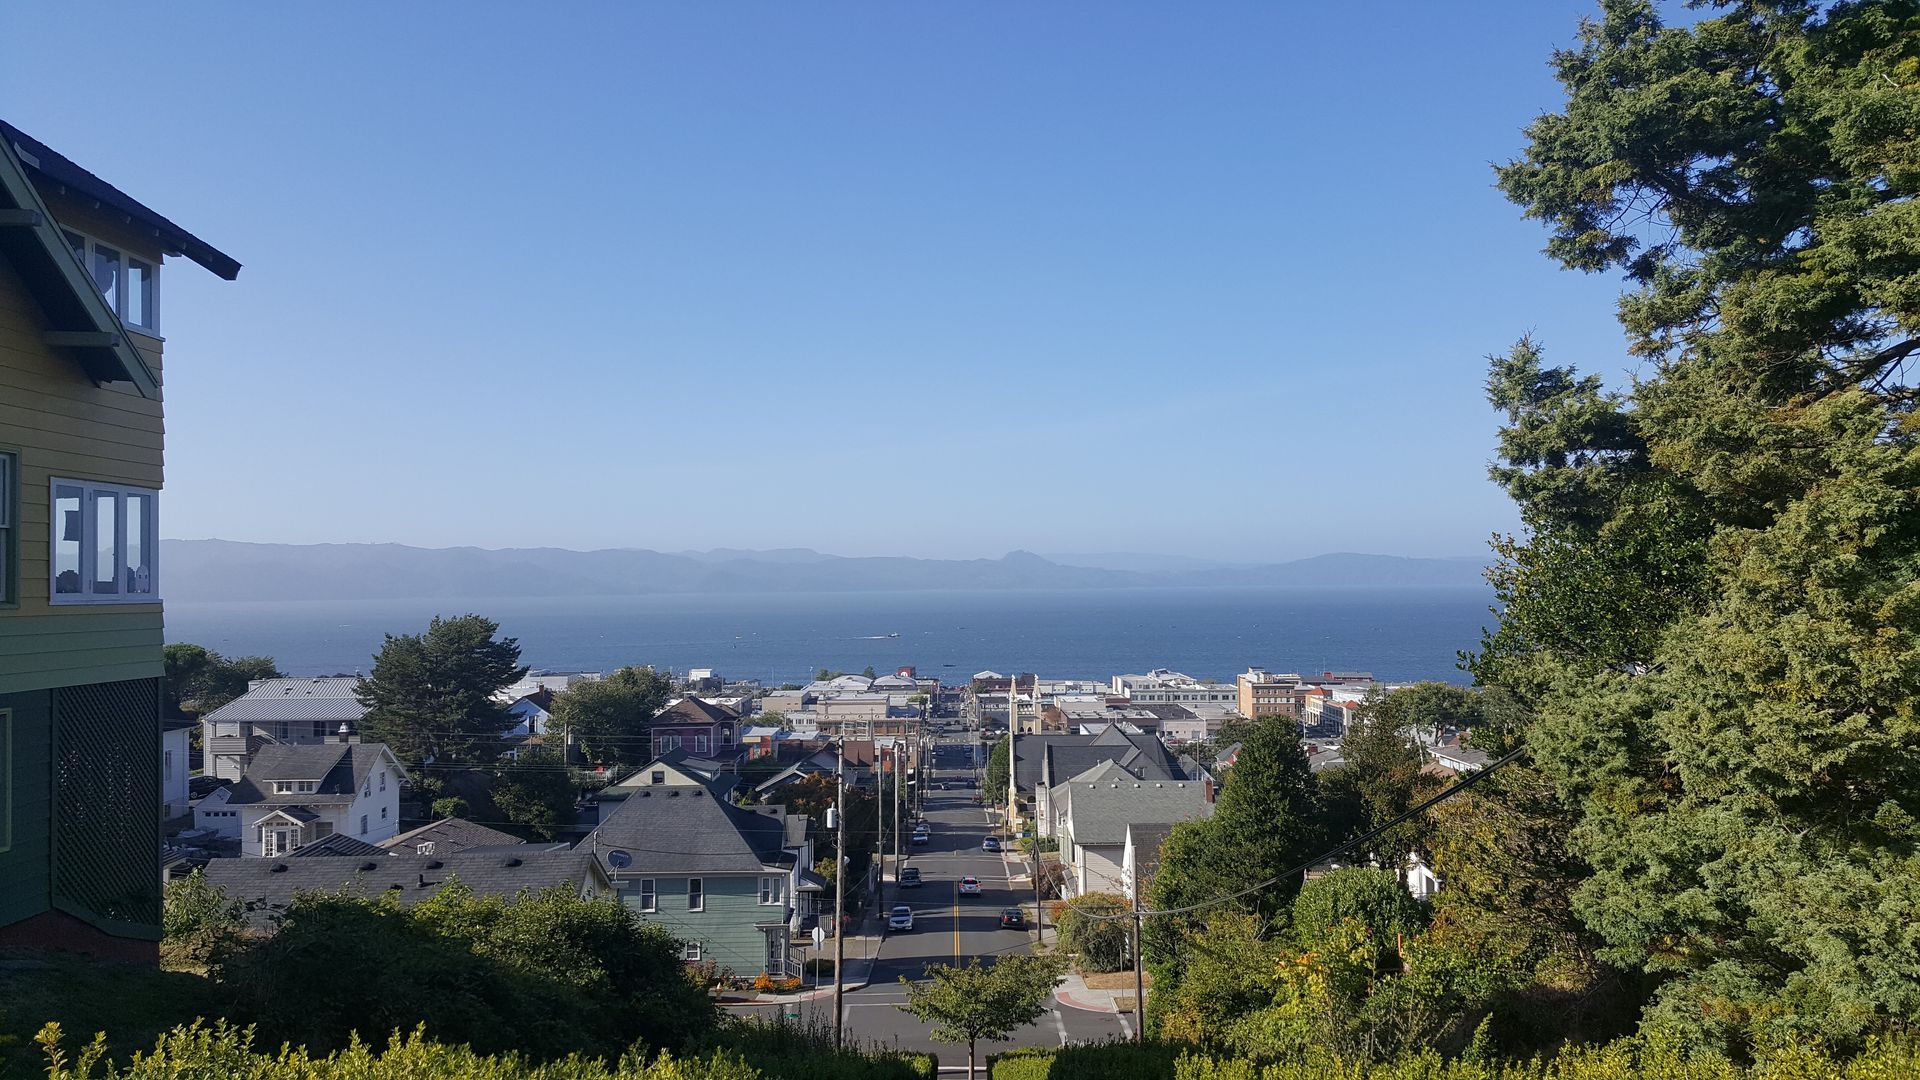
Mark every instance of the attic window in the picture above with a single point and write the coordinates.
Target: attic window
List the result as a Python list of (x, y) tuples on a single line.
[(130, 285), (295, 787)]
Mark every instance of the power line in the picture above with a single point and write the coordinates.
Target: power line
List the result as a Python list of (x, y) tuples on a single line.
[(1330, 854)]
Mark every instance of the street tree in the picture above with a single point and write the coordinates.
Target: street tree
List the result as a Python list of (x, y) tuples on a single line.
[(1096, 927), (610, 720), (975, 1002), (431, 697), (998, 771)]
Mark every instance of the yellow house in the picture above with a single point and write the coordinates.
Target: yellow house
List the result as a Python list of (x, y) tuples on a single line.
[(81, 438)]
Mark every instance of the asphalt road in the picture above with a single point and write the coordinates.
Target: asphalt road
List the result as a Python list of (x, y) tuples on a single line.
[(950, 928)]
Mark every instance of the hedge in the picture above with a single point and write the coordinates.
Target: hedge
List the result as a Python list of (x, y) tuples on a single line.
[(216, 1051), (1626, 1059)]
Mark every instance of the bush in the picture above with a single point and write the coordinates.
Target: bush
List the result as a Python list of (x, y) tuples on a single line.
[(198, 922), (1088, 929), (546, 976)]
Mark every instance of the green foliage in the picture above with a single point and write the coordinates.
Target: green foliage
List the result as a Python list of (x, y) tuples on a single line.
[(1375, 899), (450, 806), (223, 1050), (431, 695), (793, 1051), (1713, 617), (999, 772), (536, 792), (812, 796), (198, 680), (1623, 1060), (1265, 822), (198, 921), (1092, 928), (967, 1004), (547, 975), (610, 720)]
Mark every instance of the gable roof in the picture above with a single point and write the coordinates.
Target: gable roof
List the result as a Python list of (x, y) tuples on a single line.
[(451, 835), (338, 845), (685, 830), (692, 710), (268, 886), (326, 699), (341, 768), (59, 169), (80, 321), (1099, 813)]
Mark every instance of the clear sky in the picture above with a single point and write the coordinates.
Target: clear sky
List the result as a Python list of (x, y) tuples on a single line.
[(888, 278)]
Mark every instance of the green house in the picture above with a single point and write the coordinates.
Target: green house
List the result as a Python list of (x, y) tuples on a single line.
[(730, 882), (81, 439)]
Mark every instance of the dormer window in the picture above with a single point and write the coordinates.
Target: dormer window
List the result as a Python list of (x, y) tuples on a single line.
[(129, 284), (295, 787)]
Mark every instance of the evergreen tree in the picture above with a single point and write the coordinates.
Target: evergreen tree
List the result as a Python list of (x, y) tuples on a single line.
[(1713, 613), (431, 696)]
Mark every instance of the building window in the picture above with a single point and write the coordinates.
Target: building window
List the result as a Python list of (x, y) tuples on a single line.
[(699, 744), (6, 529), (424, 847), (659, 776), (322, 829), (383, 813), (295, 787), (166, 765), (696, 895), (649, 899), (363, 824), (129, 284), (105, 544), (690, 951), (770, 890), (383, 779)]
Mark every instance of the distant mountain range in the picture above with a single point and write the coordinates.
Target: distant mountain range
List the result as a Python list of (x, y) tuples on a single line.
[(232, 570)]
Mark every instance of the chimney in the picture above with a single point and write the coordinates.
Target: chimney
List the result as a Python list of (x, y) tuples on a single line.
[(1206, 785)]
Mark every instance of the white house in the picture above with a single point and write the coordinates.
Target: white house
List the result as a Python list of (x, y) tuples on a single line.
[(1096, 809), (173, 767), (294, 795), (300, 711)]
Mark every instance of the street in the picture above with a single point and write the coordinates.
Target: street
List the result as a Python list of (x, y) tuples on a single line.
[(950, 928)]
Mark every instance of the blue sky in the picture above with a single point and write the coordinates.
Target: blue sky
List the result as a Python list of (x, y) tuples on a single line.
[(928, 279)]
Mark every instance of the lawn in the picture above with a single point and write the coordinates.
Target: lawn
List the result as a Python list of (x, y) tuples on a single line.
[(133, 1005)]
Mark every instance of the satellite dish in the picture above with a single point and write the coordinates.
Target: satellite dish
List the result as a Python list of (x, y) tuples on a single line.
[(619, 860)]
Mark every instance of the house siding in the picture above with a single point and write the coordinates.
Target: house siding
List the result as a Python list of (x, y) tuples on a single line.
[(728, 929), (59, 424)]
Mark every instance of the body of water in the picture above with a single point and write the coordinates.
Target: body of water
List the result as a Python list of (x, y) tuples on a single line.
[(1398, 634)]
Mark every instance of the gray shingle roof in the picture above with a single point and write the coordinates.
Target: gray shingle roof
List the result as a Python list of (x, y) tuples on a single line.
[(266, 886), (674, 830), (341, 768), (295, 699), (337, 844), (1099, 813), (450, 836)]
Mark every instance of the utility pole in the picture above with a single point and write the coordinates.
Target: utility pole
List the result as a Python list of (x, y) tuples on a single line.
[(1139, 968), (839, 887)]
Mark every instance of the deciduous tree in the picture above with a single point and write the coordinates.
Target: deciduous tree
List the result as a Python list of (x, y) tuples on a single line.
[(610, 720), (967, 1004)]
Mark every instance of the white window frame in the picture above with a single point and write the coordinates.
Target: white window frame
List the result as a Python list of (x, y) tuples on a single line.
[(696, 894), (118, 301), (90, 493), (363, 824), (690, 952), (771, 892), (649, 894), (700, 744)]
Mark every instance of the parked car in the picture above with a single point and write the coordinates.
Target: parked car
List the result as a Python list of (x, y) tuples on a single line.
[(991, 843), (901, 918), (969, 886), (910, 877), (1013, 919)]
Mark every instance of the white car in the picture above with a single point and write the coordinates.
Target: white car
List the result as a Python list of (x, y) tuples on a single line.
[(970, 886), (901, 918)]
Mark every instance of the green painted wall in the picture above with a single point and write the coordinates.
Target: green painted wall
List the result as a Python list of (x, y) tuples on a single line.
[(726, 930), (25, 865)]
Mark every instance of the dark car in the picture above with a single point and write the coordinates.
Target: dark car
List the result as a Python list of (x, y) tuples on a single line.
[(1013, 919), (910, 877)]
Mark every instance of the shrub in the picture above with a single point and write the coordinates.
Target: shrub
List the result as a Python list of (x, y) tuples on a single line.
[(547, 975), (1088, 928), (198, 922)]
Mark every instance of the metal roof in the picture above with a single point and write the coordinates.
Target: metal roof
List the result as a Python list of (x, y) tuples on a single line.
[(328, 699)]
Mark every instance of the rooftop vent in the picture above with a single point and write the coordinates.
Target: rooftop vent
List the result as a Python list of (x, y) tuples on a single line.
[(277, 868), (435, 864), (511, 860), (369, 866)]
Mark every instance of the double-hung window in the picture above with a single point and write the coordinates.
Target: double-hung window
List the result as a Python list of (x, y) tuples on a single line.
[(129, 284), (770, 890), (105, 544), (696, 895), (649, 900), (7, 544)]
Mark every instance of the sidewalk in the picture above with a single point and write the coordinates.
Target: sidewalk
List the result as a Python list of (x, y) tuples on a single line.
[(1075, 993)]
